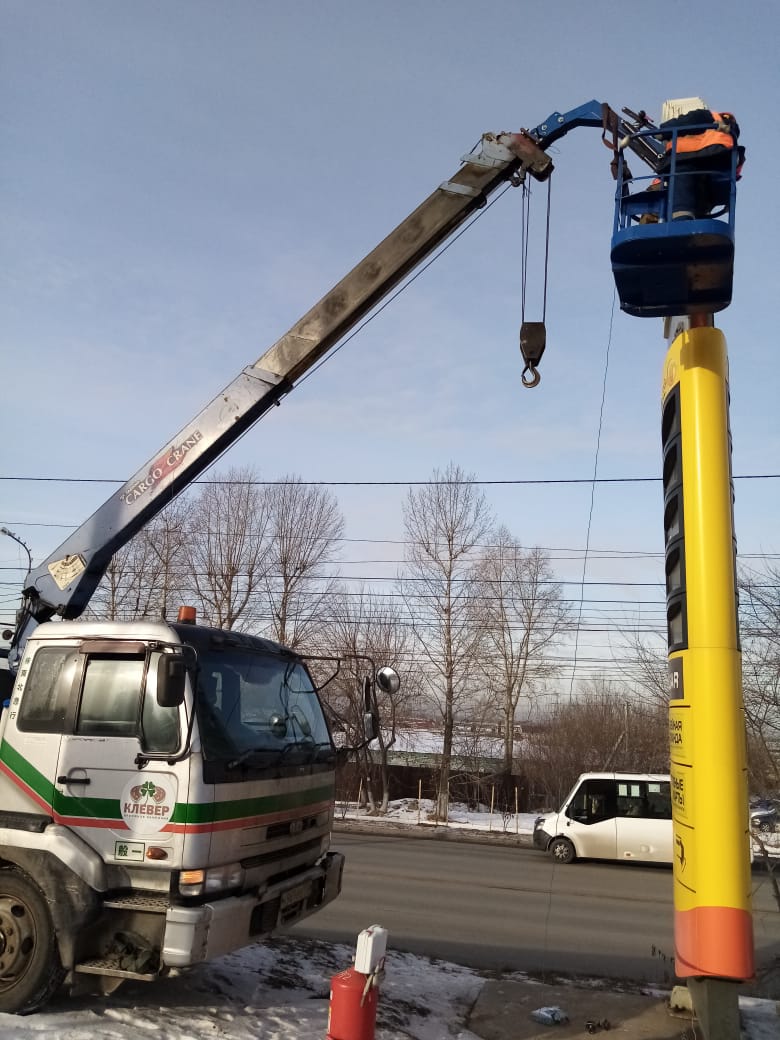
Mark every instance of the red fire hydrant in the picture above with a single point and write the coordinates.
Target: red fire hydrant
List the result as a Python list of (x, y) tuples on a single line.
[(353, 1001), (354, 993)]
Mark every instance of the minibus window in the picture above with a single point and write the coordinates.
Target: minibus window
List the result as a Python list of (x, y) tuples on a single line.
[(631, 799), (593, 802), (659, 800)]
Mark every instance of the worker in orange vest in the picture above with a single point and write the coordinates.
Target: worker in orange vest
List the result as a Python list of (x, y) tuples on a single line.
[(703, 148)]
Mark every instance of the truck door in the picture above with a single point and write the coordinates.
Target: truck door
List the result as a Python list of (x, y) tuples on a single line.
[(119, 805), (33, 726), (590, 819)]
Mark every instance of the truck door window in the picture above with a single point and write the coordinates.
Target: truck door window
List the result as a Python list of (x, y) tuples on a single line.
[(160, 725), (47, 690), (111, 696)]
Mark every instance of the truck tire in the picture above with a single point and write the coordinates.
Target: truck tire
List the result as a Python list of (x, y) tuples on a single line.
[(562, 850), (30, 968)]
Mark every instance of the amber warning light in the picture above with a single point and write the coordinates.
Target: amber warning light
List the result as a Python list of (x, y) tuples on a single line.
[(187, 615)]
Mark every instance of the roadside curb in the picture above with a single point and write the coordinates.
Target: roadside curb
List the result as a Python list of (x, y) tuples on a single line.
[(431, 832)]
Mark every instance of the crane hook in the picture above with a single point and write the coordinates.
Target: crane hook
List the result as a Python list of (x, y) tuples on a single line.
[(534, 377), (533, 339)]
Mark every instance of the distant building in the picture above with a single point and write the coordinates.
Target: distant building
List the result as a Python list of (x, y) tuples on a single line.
[(414, 761)]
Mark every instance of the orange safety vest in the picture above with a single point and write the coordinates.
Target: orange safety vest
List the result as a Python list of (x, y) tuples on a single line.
[(715, 138)]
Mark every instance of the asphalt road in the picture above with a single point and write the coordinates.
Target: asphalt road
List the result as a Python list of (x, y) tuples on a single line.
[(513, 909)]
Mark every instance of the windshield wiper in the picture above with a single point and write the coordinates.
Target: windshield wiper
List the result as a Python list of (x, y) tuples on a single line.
[(305, 744), (276, 756), (248, 753)]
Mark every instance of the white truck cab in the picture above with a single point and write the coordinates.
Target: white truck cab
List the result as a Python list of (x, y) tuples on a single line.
[(166, 796)]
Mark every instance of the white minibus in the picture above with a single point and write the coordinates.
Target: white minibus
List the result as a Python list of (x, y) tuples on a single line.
[(621, 816)]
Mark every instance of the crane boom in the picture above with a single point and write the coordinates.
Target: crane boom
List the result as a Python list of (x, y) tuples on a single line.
[(64, 583)]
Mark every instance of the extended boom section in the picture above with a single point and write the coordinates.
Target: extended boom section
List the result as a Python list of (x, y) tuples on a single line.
[(65, 582)]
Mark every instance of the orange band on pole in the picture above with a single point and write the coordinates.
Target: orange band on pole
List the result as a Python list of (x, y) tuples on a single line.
[(713, 940)]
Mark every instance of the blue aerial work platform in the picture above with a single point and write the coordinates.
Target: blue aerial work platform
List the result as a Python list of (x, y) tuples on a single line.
[(665, 266)]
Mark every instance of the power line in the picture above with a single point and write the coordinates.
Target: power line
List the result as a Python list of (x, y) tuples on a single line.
[(464, 581), (593, 487), (574, 553), (515, 481)]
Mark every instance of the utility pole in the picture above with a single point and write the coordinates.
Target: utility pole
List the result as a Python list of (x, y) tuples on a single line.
[(713, 925)]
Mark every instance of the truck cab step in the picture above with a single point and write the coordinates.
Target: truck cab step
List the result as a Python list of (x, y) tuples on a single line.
[(149, 902), (110, 966)]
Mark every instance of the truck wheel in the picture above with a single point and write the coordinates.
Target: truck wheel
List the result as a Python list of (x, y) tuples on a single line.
[(562, 850), (30, 969)]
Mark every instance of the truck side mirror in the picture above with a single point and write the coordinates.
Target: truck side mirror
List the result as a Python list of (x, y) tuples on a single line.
[(388, 680), (171, 676), (370, 712), (370, 726)]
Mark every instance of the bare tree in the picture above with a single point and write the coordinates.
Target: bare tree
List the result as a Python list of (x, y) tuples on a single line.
[(521, 613), (306, 526), (145, 577), (760, 625), (444, 521), (646, 667), (227, 549), (366, 625), (605, 728), (759, 617), (476, 747)]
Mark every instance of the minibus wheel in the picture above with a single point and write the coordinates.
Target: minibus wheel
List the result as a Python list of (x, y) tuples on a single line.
[(562, 850)]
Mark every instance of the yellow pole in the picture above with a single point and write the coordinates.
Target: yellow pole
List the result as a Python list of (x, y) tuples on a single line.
[(713, 922)]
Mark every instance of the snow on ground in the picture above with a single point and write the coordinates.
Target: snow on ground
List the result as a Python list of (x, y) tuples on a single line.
[(279, 990), (276, 990), (409, 811)]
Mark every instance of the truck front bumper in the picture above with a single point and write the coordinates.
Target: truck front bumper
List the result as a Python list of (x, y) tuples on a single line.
[(199, 933)]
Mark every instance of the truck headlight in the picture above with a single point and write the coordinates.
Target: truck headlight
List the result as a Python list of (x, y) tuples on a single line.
[(214, 879)]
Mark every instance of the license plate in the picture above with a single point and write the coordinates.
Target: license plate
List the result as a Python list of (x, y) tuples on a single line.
[(295, 895)]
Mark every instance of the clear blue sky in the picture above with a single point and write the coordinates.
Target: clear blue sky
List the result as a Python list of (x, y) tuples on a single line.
[(182, 181)]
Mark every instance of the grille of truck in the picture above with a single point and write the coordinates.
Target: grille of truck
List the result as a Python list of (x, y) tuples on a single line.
[(268, 858), (285, 828)]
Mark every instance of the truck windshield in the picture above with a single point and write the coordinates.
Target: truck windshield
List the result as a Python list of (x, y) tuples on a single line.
[(254, 708)]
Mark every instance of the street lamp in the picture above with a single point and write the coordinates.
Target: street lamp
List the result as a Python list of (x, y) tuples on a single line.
[(16, 538)]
